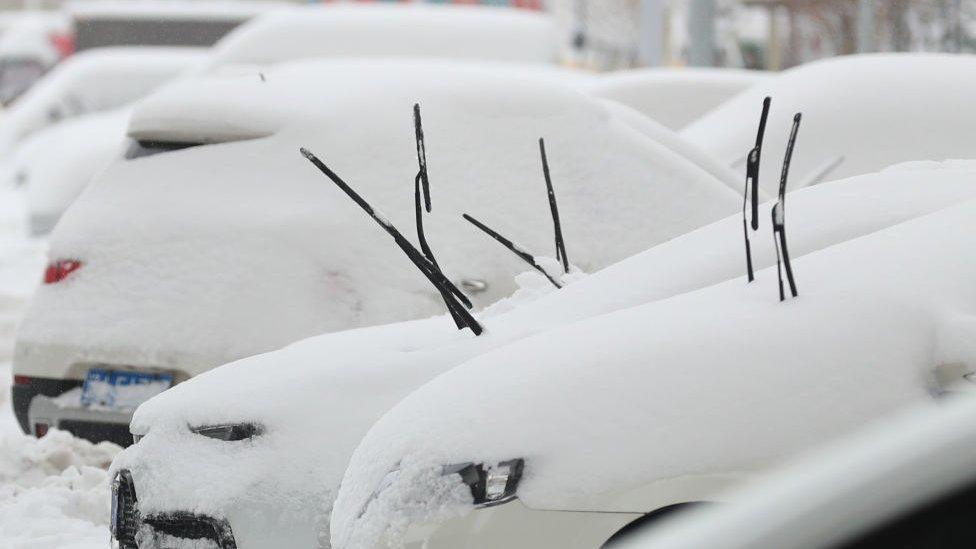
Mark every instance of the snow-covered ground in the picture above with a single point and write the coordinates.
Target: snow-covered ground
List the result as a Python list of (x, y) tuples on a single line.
[(54, 490)]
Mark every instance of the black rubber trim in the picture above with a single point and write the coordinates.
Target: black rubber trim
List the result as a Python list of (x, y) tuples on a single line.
[(95, 431), (22, 395)]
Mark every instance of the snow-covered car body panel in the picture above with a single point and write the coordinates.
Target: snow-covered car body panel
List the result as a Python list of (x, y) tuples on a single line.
[(726, 380), (837, 494), (315, 263), (351, 378), (675, 97), (453, 32), (91, 81), (844, 101)]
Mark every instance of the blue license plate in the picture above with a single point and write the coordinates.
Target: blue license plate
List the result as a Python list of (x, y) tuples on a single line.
[(122, 390)]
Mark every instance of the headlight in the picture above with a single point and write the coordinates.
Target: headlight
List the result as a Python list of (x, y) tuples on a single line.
[(490, 484), (230, 432)]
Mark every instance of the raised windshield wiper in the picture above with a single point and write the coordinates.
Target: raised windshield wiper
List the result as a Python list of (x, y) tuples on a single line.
[(750, 195), (778, 215), (557, 228), (444, 286)]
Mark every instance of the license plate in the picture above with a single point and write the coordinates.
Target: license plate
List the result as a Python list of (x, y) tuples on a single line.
[(121, 390)]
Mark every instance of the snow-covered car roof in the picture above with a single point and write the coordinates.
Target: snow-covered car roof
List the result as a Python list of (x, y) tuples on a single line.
[(896, 465), (315, 262), (920, 100), (343, 382), (454, 32), (675, 97), (91, 81), (679, 388)]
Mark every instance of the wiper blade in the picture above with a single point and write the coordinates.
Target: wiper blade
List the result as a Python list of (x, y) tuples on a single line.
[(433, 274), (514, 248), (778, 215), (750, 195), (557, 228)]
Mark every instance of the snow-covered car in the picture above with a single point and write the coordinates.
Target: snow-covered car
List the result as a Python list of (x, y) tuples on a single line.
[(92, 81), (285, 35), (213, 241), (84, 145), (908, 481), (31, 42), (862, 113), (392, 30), (310, 403), (565, 438), (675, 97)]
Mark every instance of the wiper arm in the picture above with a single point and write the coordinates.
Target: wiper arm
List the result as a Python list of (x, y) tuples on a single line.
[(433, 274), (514, 248)]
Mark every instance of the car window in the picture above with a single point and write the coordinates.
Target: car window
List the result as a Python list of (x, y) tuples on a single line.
[(948, 523)]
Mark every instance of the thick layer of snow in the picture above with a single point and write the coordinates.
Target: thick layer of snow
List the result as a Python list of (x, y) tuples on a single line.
[(238, 248), (57, 162), (327, 391), (869, 110), (91, 81), (455, 32), (721, 381), (675, 97)]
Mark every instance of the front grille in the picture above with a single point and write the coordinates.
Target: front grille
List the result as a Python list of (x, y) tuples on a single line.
[(191, 526), (94, 431), (126, 520)]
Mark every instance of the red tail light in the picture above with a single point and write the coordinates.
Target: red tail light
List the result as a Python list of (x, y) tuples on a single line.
[(40, 429), (22, 380), (59, 270)]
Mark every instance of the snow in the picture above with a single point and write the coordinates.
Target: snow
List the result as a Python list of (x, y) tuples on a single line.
[(870, 110), (473, 32), (265, 250), (637, 385), (91, 81), (327, 391), (675, 97), (53, 491)]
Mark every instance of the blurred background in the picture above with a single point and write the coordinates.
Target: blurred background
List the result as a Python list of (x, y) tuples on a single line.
[(597, 34)]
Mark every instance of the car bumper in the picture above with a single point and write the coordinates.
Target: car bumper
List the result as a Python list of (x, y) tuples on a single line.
[(95, 425), (515, 525)]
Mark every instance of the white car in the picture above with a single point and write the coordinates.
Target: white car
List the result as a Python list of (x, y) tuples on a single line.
[(564, 438), (31, 42), (92, 81), (861, 114), (283, 35), (212, 241), (309, 404), (907, 482), (675, 97)]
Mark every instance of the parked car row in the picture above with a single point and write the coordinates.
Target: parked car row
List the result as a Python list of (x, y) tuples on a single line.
[(222, 291)]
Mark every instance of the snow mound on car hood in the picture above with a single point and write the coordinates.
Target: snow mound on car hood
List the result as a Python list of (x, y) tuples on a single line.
[(637, 385), (869, 110), (200, 256)]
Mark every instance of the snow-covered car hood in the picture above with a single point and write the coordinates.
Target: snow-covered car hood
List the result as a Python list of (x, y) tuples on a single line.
[(204, 255), (317, 398), (637, 385), (920, 100), (675, 97)]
